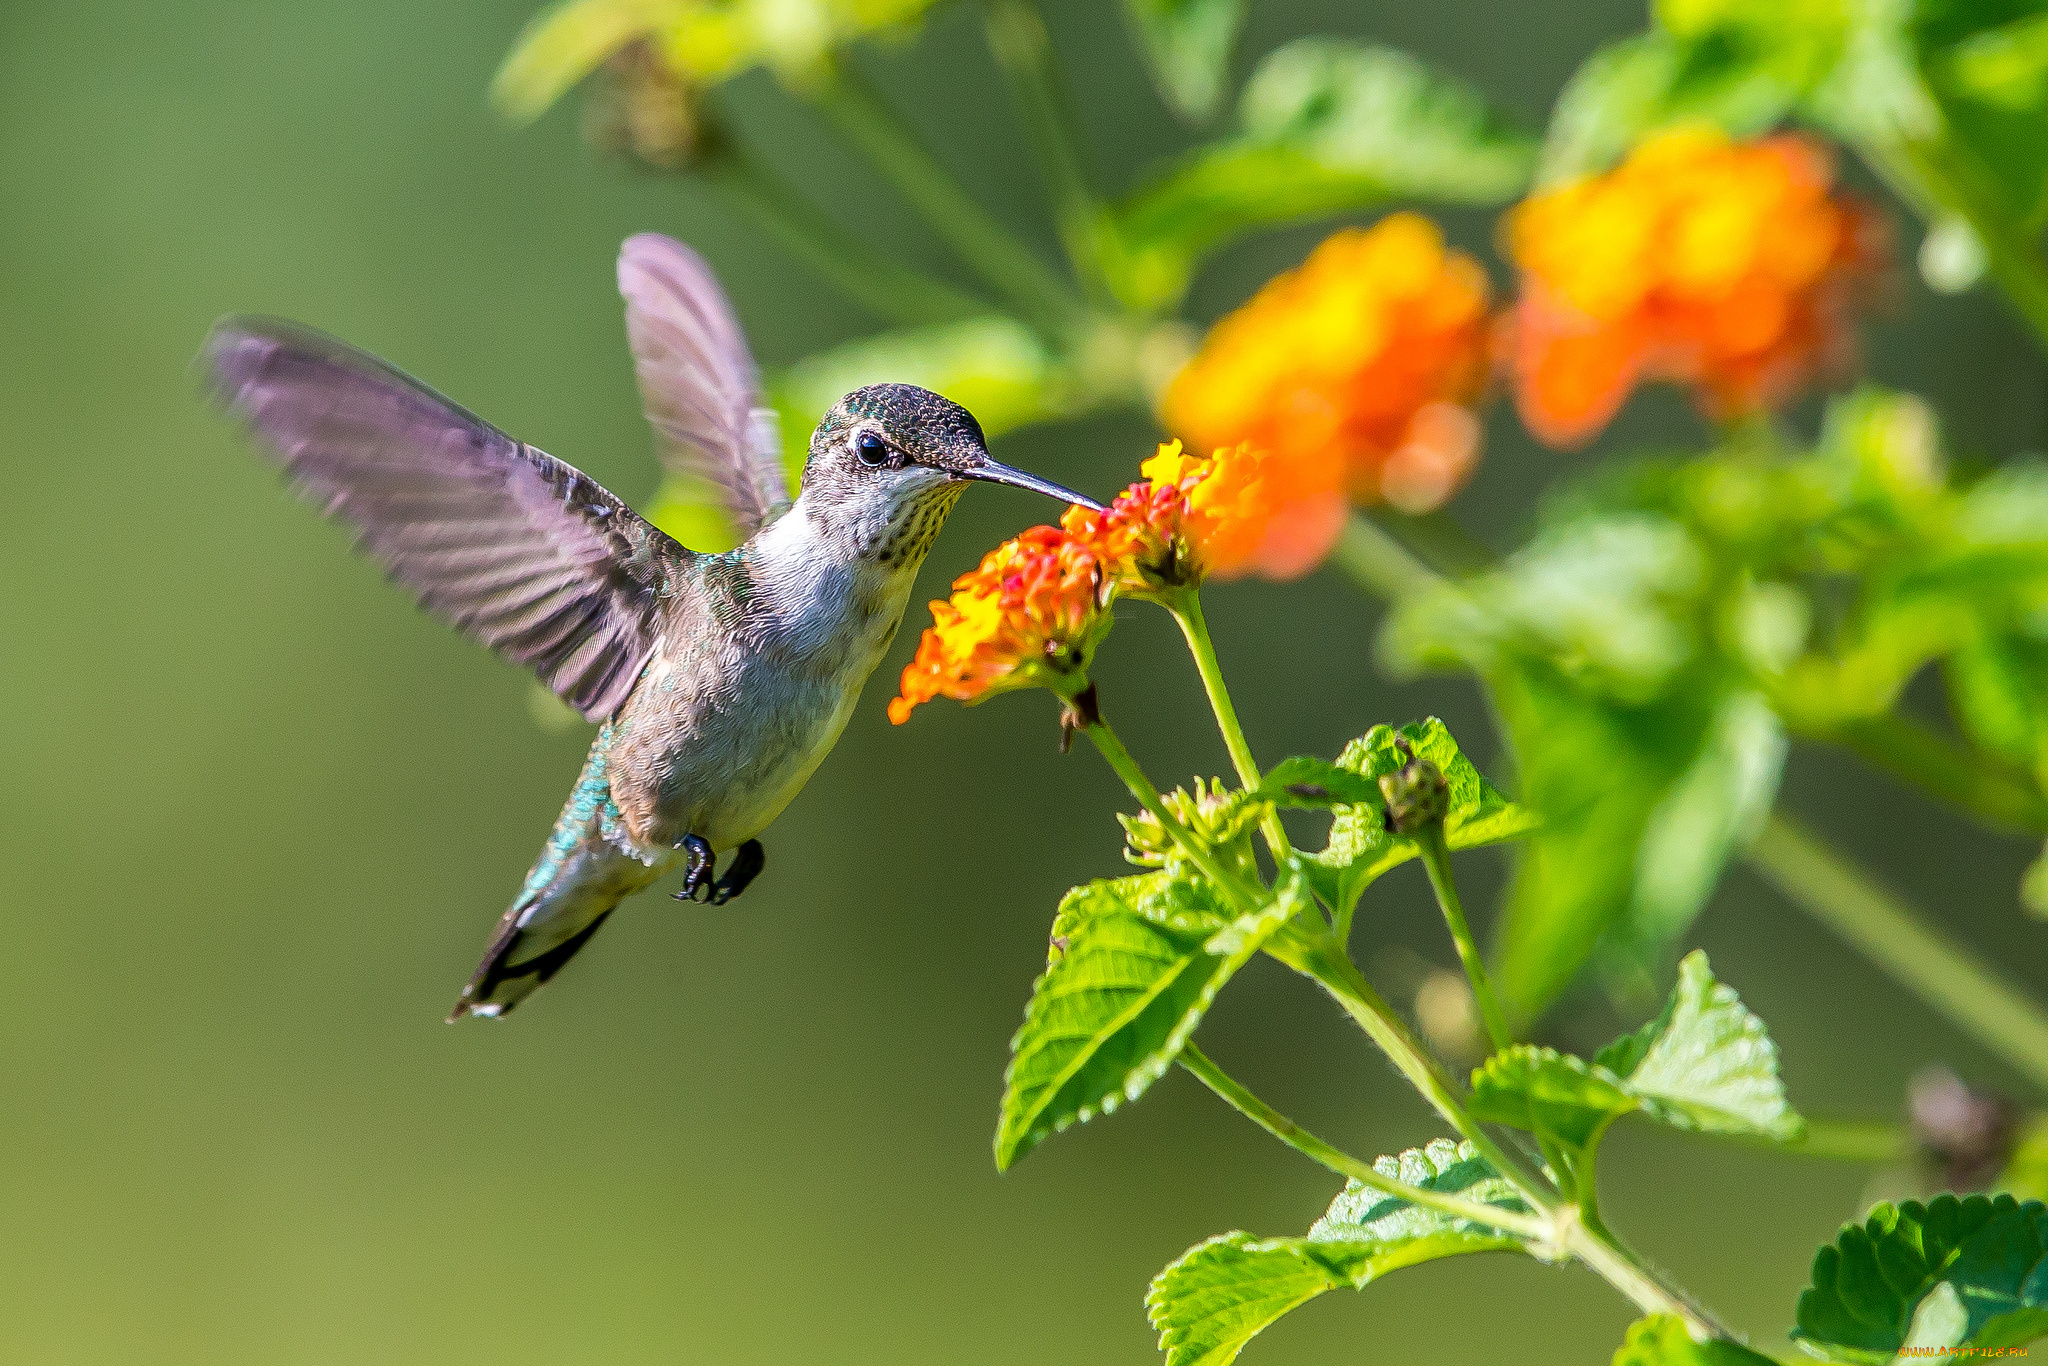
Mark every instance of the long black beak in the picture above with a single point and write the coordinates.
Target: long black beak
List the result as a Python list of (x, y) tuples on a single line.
[(990, 472)]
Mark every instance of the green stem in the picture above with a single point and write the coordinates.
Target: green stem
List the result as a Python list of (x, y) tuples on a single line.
[(1585, 1179), (1436, 857), (1199, 853), (1597, 1248), (1017, 37), (1187, 610), (1344, 1164), (1007, 264), (885, 288), (1566, 1227), (1934, 967), (1870, 1142), (1919, 755), (1321, 960), (1437, 537), (1379, 563)]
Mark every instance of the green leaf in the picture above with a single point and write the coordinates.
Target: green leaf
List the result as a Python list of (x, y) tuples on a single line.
[(1650, 757), (1222, 1293), (1987, 66), (1596, 770), (1136, 962), (1951, 1273), (1361, 847), (1611, 599), (2026, 1172), (1706, 1064), (1546, 1092), (1187, 44), (1712, 809), (1219, 1295), (1999, 686), (1327, 126), (1305, 781), (1631, 89), (1663, 1340)]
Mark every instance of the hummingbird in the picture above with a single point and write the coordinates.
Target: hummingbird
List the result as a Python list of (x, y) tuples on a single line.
[(719, 682)]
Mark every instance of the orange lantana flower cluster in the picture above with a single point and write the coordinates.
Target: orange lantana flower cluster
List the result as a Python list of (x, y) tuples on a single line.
[(1726, 266), (1029, 614), (1236, 512), (1365, 357), (1033, 611)]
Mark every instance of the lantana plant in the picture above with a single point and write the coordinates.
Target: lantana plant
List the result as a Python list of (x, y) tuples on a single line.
[(1685, 220)]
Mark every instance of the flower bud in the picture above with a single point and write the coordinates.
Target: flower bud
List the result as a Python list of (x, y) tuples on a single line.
[(1417, 796)]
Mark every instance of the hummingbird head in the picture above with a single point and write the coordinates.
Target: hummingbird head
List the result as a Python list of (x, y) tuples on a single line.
[(890, 460)]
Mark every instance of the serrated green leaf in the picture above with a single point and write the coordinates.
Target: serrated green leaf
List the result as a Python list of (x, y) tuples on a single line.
[(1370, 1233), (1327, 126), (1663, 1340), (1187, 45), (1135, 964), (1706, 1064), (1222, 1293), (1360, 846), (1546, 1092), (1948, 1274)]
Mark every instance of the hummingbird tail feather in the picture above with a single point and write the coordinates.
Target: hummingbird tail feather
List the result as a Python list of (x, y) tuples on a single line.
[(581, 876)]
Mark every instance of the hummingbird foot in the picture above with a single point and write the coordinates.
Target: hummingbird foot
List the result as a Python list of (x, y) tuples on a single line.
[(697, 872), (747, 862)]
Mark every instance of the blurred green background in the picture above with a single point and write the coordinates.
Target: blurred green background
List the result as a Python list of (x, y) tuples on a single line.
[(260, 813)]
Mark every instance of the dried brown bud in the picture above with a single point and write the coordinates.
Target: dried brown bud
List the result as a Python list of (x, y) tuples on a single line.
[(640, 109), (1966, 1136)]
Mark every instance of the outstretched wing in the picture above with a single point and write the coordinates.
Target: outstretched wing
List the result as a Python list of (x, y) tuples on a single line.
[(510, 545), (698, 381)]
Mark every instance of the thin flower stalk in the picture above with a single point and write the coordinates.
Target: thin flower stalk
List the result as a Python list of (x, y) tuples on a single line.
[(1197, 852), (1240, 1098), (1187, 611), (1436, 857)]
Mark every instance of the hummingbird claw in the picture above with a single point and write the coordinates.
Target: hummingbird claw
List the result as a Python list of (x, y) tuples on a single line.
[(697, 874), (747, 862)]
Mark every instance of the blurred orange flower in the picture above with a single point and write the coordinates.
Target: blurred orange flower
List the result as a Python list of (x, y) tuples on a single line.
[(1730, 267), (1367, 356), (1029, 615), (1239, 511)]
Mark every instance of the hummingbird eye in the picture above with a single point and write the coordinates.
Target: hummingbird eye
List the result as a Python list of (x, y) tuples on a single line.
[(871, 450)]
